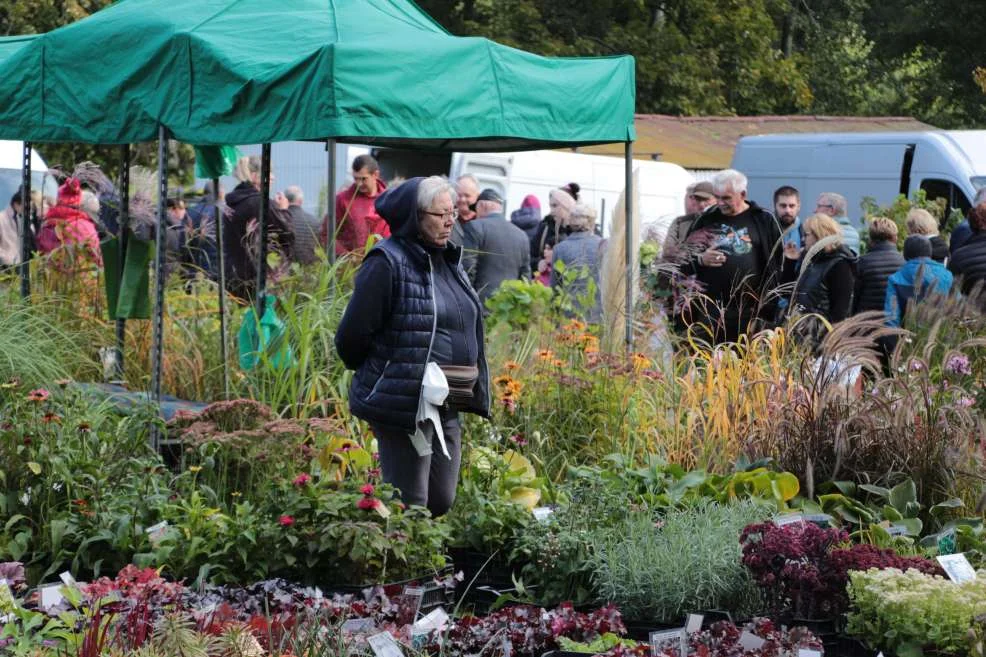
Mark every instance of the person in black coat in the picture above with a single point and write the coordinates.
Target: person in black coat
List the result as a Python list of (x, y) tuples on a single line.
[(825, 274), (243, 208), (968, 263), (561, 202), (413, 312), (881, 260)]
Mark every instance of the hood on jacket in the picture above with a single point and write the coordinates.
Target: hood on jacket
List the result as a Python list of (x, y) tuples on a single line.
[(399, 207), (241, 192), (526, 218)]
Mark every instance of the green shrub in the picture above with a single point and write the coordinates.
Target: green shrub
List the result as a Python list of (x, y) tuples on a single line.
[(687, 560)]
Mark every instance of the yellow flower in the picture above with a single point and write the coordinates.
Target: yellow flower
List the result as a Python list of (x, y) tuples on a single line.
[(194, 468), (502, 380), (574, 326), (236, 493), (640, 362), (591, 349)]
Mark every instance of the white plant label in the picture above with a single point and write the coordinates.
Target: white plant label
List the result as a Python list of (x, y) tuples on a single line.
[(542, 513), (51, 596), (694, 623), (789, 519), (750, 641), (806, 652), (658, 639), (957, 567), (436, 619), (358, 626), (384, 645), (67, 579)]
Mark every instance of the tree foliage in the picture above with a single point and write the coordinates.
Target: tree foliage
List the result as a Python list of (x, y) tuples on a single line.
[(697, 57)]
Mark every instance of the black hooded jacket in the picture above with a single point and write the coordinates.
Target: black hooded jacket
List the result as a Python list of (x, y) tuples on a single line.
[(388, 332), (243, 206)]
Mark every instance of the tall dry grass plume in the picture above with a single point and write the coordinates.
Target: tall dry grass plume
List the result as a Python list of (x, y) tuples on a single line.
[(614, 273)]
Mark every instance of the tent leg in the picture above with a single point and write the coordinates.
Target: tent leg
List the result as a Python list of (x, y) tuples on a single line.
[(25, 265), (157, 348), (264, 209), (628, 155), (220, 249), (330, 201), (123, 239)]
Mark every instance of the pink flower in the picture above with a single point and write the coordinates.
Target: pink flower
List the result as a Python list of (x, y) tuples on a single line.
[(285, 521), (367, 489), (302, 479), (373, 473), (518, 440), (368, 503), (38, 395)]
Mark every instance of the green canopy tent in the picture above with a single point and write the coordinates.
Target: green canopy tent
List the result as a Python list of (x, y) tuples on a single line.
[(248, 71)]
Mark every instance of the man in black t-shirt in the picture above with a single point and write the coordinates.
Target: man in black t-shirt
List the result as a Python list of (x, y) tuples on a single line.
[(737, 262)]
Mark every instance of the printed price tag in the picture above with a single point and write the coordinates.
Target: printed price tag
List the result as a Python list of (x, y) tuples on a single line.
[(51, 596), (358, 626), (658, 640), (750, 641), (806, 652), (957, 567), (789, 519), (384, 645), (67, 579), (433, 620), (694, 623)]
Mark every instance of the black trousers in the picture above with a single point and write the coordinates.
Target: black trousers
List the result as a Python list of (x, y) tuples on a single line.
[(428, 481)]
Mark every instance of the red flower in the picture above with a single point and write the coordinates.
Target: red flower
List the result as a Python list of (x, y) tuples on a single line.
[(285, 521), (51, 417), (367, 489), (368, 503), (302, 479), (38, 395), (373, 472)]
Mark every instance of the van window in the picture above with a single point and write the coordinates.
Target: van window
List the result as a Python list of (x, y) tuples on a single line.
[(954, 197)]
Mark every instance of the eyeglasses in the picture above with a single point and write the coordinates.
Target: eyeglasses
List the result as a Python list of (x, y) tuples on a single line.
[(454, 214)]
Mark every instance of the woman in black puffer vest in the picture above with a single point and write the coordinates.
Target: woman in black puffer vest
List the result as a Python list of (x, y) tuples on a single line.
[(413, 306), (882, 259)]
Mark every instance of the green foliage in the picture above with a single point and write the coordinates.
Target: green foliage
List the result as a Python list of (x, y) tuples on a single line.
[(662, 567), (34, 348), (910, 612), (518, 303), (898, 210)]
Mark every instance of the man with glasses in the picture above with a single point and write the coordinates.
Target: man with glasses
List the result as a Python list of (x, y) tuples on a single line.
[(356, 218), (834, 205), (494, 250)]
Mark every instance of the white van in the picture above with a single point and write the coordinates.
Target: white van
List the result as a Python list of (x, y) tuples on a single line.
[(880, 165), (11, 174), (516, 175)]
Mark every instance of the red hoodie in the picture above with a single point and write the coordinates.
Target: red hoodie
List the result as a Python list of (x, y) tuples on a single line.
[(356, 220), (68, 226)]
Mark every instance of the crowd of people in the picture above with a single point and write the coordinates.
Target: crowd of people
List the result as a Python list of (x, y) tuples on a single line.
[(754, 268)]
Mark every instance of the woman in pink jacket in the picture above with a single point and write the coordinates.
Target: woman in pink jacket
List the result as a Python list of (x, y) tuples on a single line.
[(68, 232)]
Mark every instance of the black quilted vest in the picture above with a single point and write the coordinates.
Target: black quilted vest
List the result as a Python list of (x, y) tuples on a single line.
[(386, 387), (813, 291)]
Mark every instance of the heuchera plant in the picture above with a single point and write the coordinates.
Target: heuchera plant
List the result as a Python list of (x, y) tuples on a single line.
[(804, 568)]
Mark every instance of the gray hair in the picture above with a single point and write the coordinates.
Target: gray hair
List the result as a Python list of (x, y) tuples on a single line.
[(431, 187), (729, 180), (836, 201), (245, 166), (294, 194), (468, 177), (90, 204), (582, 218)]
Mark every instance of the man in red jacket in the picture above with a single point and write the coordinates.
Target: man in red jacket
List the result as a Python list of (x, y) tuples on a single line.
[(356, 218)]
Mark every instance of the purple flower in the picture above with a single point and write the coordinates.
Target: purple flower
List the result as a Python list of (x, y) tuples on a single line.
[(958, 364)]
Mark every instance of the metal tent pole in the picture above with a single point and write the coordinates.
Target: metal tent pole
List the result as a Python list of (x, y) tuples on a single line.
[(123, 239), (220, 248), (157, 347), (25, 224), (330, 201), (264, 209), (628, 195)]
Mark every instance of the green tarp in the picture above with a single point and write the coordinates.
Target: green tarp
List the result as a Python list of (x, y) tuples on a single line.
[(250, 71)]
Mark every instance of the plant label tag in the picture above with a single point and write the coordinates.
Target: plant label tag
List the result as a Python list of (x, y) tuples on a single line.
[(694, 623), (433, 620), (879, 654), (806, 652), (358, 626), (383, 645), (789, 519), (409, 605), (658, 640), (542, 513), (156, 532), (67, 579), (957, 567), (749, 641), (51, 596), (382, 510)]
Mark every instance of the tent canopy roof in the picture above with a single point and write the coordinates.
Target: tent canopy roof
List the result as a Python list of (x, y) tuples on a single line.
[(249, 71)]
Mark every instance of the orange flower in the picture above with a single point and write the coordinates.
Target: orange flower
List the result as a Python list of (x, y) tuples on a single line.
[(640, 362), (502, 380), (511, 366), (546, 354), (558, 362)]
